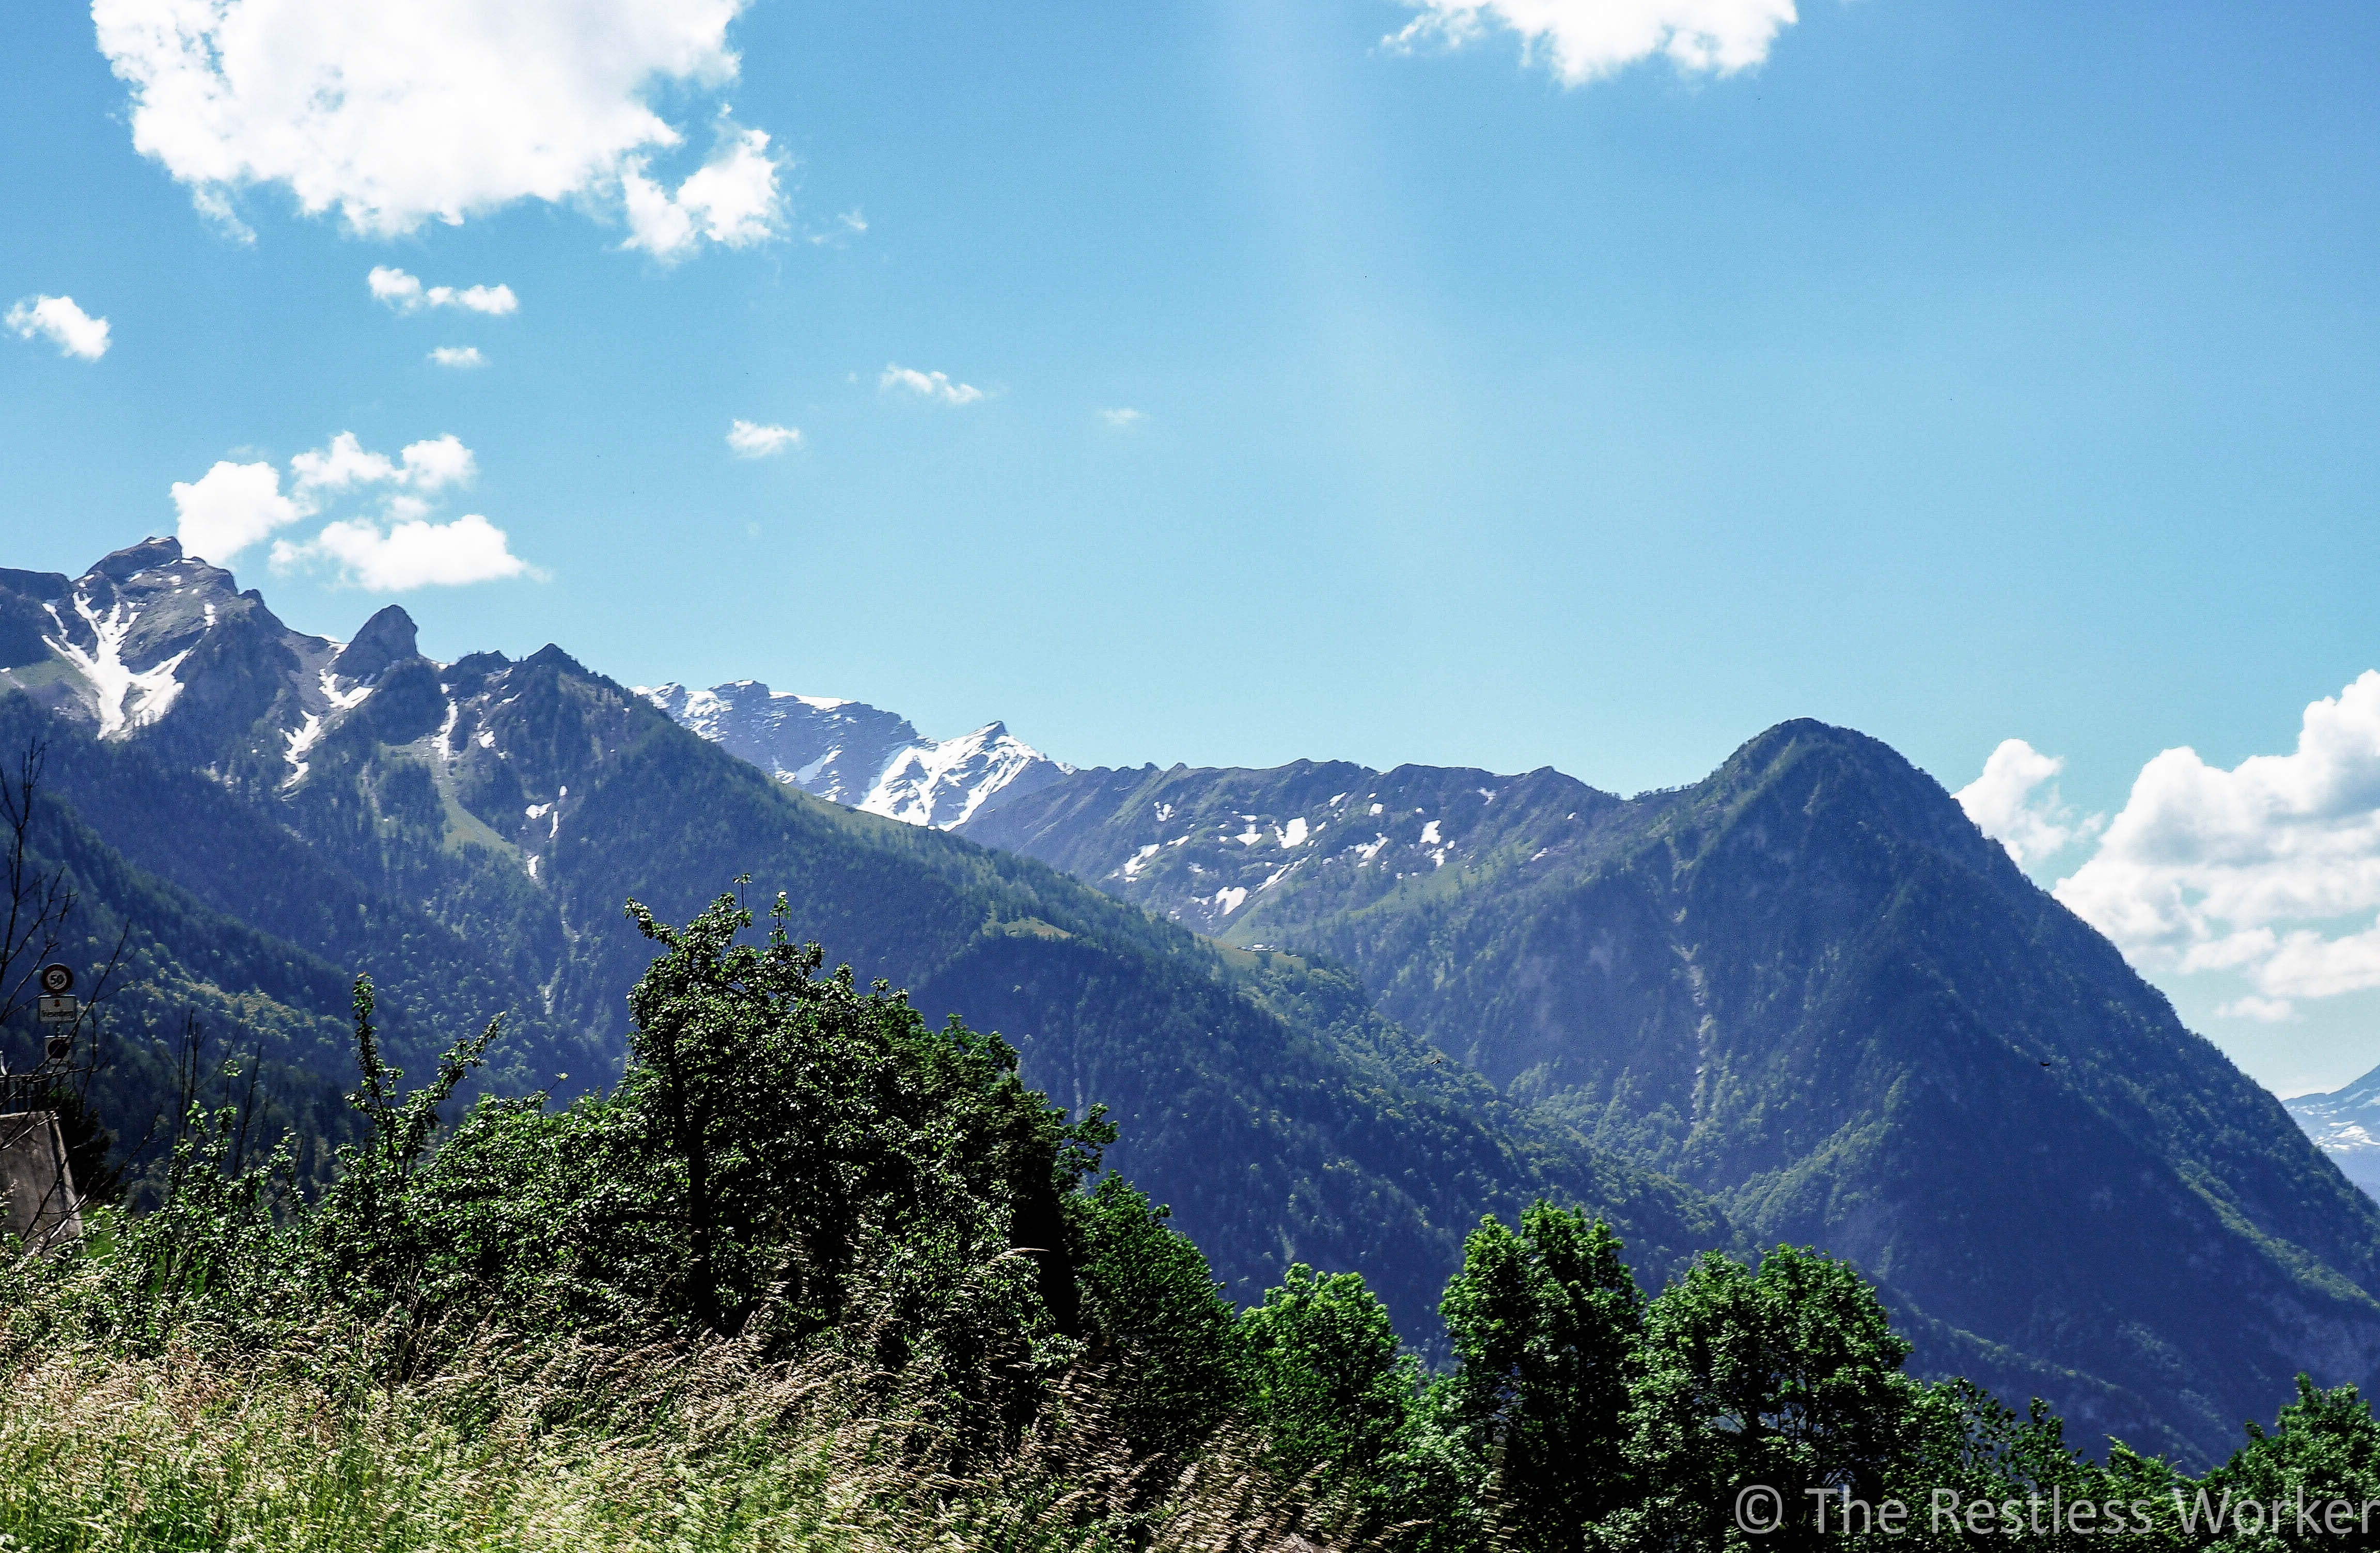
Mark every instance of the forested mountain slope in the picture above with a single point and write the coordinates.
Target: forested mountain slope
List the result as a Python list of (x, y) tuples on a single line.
[(470, 832), (1809, 986)]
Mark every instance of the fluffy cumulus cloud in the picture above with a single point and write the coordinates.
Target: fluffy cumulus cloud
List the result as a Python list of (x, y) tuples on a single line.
[(752, 440), (417, 554), (733, 200), (233, 507), (1580, 39), (2269, 870), (407, 294), (2016, 803), (1122, 419), (438, 110), (929, 385), (458, 356), (58, 320)]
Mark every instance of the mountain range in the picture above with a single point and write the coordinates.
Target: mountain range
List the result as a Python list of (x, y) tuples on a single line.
[(2345, 1124), (272, 812), (1338, 1013), (850, 753)]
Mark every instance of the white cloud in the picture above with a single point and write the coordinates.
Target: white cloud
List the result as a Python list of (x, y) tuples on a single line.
[(1122, 419), (458, 356), (234, 505), (733, 200), (438, 110), (230, 507), (342, 465), (2270, 871), (2264, 1011), (1582, 39), (752, 440), (410, 554), (215, 207), (393, 286), (442, 462), (57, 320), (2016, 803), (345, 463), (929, 385), (407, 294)]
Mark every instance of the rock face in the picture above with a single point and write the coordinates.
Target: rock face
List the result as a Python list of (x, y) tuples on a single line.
[(856, 755), (1811, 987)]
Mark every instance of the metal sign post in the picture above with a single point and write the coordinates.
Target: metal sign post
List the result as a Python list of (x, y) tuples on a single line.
[(58, 1011)]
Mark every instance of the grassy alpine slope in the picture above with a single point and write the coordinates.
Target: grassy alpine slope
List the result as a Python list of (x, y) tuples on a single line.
[(817, 1273)]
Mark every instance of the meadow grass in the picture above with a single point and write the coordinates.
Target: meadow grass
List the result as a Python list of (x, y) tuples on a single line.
[(569, 1447)]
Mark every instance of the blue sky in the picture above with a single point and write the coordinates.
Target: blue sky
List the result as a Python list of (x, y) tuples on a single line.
[(1956, 373)]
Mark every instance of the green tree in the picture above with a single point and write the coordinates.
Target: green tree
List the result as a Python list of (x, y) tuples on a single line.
[(2325, 1446), (1157, 1317), (369, 1234), (1544, 1323), (1787, 1378), (1325, 1381)]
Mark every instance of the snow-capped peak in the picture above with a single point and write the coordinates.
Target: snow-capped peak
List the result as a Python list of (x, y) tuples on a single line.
[(852, 753)]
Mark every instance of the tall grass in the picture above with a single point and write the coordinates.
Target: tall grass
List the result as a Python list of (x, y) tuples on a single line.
[(566, 1446)]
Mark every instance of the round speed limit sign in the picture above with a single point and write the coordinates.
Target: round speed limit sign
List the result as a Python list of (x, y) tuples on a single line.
[(57, 980)]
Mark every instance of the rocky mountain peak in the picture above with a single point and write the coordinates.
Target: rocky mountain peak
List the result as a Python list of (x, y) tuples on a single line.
[(552, 657), (387, 637), (132, 559)]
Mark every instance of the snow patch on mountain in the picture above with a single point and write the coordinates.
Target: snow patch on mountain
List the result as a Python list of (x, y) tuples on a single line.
[(343, 700), (2342, 1124), (301, 739), (943, 783), (127, 697)]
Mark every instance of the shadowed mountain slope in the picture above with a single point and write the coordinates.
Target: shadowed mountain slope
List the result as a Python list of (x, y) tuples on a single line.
[(470, 832), (1810, 986)]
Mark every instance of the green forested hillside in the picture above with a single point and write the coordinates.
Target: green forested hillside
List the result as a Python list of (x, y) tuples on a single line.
[(1273, 1139), (473, 831), (1811, 987)]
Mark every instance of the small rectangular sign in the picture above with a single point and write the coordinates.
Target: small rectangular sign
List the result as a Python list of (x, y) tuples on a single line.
[(58, 1011)]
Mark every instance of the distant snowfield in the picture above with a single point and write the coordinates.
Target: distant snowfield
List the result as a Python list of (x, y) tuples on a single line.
[(850, 753)]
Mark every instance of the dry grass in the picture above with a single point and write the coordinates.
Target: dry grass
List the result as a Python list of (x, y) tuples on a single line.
[(575, 1449)]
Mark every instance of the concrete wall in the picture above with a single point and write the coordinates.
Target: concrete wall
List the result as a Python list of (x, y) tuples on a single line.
[(39, 1189)]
